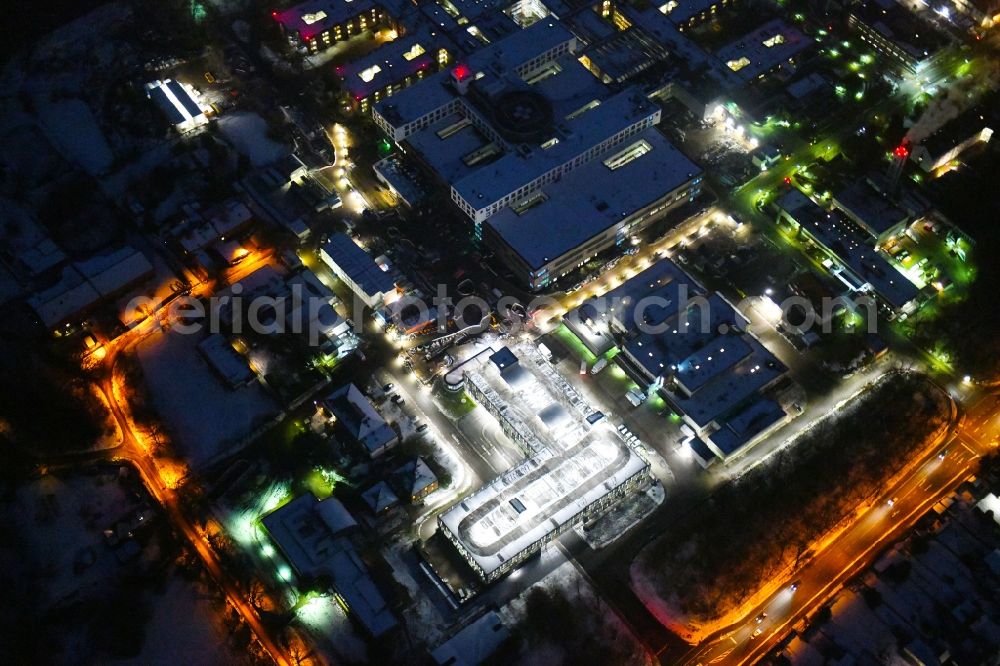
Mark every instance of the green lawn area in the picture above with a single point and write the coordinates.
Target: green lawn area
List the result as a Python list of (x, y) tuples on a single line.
[(574, 344), (454, 405)]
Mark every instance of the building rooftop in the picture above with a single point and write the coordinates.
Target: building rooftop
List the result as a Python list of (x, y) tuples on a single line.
[(390, 63), (571, 466), (594, 197), (831, 231), (752, 420), (757, 52), (683, 10), (539, 496), (314, 17), (474, 643), (359, 417), (659, 284), (496, 179), (505, 55), (230, 364), (415, 476), (359, 265), (175, 101), (729, 389), (309, 533), (900, 26), (872, 209), (380, 497)]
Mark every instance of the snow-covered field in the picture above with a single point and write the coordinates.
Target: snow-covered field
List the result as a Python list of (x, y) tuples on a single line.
[(204, 416), (247, 132), (60, 578), (72, 128), (185, 628), (60, 520), (603, 623)]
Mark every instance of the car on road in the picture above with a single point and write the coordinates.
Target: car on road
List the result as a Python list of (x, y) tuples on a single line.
[(943, 454), (892, 501), (795, 585), (398, 399), (757, 632), (760, 618), (388, 387), (422, 427)]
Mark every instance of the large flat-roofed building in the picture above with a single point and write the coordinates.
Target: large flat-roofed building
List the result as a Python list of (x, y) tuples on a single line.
[(771, 47), (85, 284), (858, 265), (599, 205), (316, 24), (870, 209), (691, 346), (438, 96), (944, 146), (371, 281), (893, 31), (391, 68), (179, 104), (519, 129), (574, 471), (312, 535), (691, 13)]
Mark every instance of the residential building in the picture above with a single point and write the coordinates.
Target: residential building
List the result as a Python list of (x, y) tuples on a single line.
[(357, 417)]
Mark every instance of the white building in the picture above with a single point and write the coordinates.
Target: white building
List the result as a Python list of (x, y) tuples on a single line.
[(179, 102)]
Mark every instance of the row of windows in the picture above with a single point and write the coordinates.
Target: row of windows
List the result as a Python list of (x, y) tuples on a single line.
[(391, 90), (348, 28), (480, 214)]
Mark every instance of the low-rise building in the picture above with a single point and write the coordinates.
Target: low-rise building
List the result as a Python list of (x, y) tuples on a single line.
[(575, 471), (851, 257), (893, 31), (357, 417), (84, 285), (692, 347), (372, 281), (392, 67), (317, 24), (772, 47), (415, 480), (380, 498), (179, 103), (872, 210), (231, 366), (474, 643), (313, 536), (519, 128)]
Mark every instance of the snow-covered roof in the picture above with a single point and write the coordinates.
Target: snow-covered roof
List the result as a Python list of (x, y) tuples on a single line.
[(361, 420), (415, 476), (177, 103), (308, 533), (474, 643), (225, 360), (536, 499), (380, 497)]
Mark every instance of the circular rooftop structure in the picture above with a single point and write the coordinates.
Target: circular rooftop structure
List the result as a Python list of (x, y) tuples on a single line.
[(522, 116)]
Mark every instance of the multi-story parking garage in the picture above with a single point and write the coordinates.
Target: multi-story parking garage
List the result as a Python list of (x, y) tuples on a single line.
[(574, 472)]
